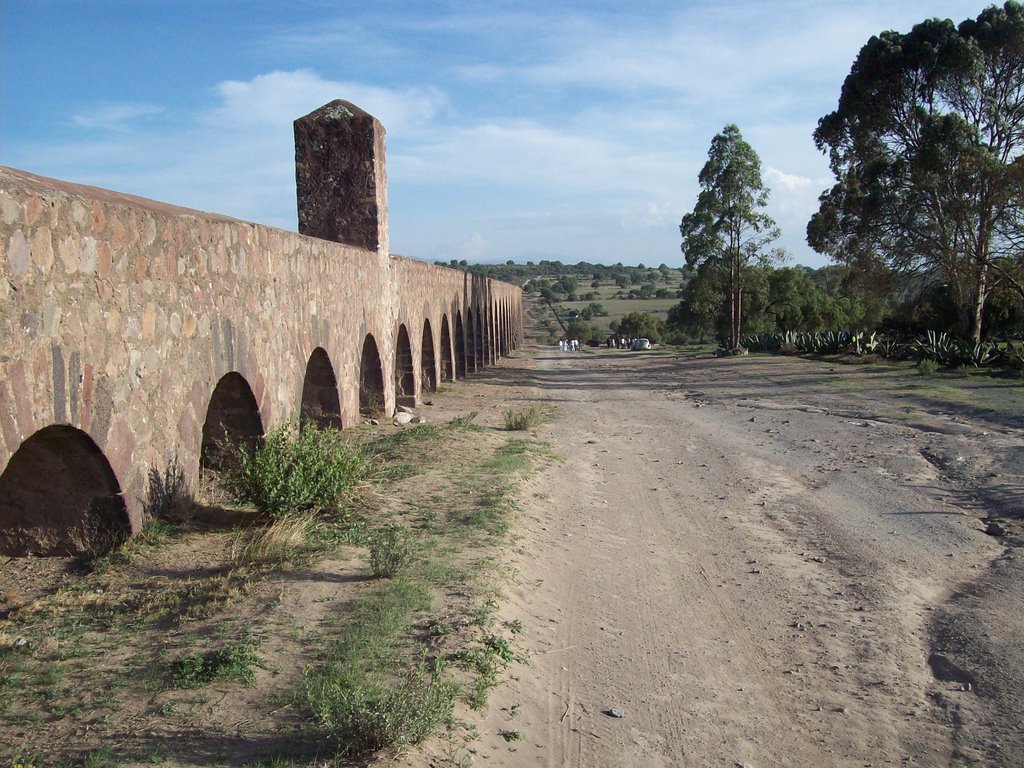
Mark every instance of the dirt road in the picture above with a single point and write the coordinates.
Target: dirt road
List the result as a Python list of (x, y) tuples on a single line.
[(763, 562)]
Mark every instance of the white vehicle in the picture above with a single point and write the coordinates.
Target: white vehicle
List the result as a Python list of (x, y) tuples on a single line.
[(640, 344)]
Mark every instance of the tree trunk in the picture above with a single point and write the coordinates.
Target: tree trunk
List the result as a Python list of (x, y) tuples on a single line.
[(978, 310)]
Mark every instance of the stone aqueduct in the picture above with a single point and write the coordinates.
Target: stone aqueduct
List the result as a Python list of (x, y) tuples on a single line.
[(133, 332)]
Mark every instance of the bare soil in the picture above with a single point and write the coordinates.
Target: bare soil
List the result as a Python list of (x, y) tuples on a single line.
[(764, 561), (761, 561)]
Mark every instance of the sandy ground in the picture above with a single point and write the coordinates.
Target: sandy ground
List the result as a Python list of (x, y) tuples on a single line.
[(760, 567)]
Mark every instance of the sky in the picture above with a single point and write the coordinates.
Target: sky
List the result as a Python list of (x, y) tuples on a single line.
[(570, 131)]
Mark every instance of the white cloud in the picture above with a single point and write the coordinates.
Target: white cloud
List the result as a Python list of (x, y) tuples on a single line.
[(115, 117), (277, 98), (473, 249)]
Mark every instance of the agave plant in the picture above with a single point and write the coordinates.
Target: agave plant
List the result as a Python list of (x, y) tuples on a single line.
[(976, 353), (938, 346), (890, 348)]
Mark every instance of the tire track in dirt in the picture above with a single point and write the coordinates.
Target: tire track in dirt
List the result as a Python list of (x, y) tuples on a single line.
[(749, 590)]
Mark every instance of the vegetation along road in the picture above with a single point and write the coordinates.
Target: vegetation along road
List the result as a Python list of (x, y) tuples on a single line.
[(765, 561)]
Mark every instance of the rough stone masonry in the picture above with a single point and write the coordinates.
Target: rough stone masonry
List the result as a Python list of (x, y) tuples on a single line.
[(131, 330)]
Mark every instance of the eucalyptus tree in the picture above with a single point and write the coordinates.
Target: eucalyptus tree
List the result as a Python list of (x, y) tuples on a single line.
[(925, 145), (727, 229)]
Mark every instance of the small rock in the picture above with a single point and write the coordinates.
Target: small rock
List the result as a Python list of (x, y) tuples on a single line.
[(403, 409), (21, 642), (996, 528), (615, 712), (374, 423), (418, 420), (402, 417)]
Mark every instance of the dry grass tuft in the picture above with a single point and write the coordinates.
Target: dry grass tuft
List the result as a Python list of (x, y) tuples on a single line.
[(283, 539)]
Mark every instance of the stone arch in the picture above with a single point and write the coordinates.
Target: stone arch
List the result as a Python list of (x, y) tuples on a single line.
[(371, 379), (481, 350), (447, 363), (232, 417), (60, 496), (460, 347), (428, 361), (470, 341), (320, 402), (405, 376)]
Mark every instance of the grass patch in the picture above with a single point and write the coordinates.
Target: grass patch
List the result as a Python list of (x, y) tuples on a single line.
[(368, 713), (375, 671), (364, 694), (287, 538), (234, 661), (530, 418)]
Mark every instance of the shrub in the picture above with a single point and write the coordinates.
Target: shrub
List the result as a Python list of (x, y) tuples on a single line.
[(927, 366), (169, 497), (365, 714), (528, 419), (292, 470), (392, 551)]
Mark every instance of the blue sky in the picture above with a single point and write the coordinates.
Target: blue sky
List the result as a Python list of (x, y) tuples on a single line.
[(515, 130)]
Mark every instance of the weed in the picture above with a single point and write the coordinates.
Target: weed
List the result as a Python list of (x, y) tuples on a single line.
[(291, 470), (466, 421), (437, 627), (530, 418), (366, 713), (286, 538), (99, 758), (510, 736), (170, 497), (234, 661), (516, 627), (392, 551), (926, 366), (486, 660)]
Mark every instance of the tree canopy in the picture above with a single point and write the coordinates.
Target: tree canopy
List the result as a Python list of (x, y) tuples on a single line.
[(727, 230), (925, 145)]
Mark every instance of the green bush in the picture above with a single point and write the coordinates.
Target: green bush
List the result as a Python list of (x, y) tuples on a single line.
[(292, 470), (392, 551), (365, 714)]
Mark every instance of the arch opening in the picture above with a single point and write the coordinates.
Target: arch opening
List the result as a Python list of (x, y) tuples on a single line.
[(371, 380), (405, 378), (447, 364), (428, 361), (471, 345), (320, 402), (479, 342), (460, 347), (60, 496), (232, 418)]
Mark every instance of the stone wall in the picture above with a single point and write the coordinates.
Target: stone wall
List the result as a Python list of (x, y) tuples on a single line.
[(121, 316)]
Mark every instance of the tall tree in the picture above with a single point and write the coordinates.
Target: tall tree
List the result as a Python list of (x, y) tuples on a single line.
[(727, 228), (926, 148)]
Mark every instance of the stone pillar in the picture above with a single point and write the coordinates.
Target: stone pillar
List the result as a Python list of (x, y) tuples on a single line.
[(340, 178)]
